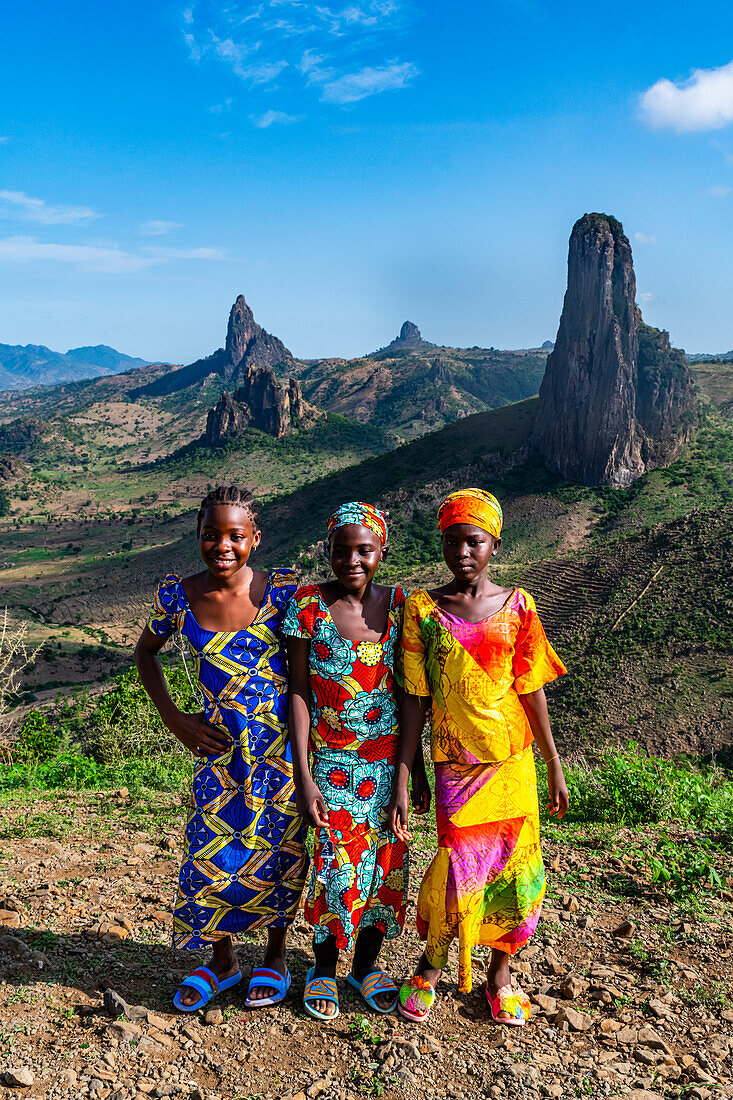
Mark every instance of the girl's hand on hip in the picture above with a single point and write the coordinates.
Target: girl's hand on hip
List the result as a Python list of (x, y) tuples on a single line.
[(397, 814), (420, 791), (312, 806), (559, 798), (198, 735)]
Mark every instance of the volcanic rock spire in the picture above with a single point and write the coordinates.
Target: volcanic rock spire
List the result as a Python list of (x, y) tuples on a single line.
[(616, 400), (249, 344)]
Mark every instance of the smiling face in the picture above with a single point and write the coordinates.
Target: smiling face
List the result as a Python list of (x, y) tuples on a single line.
[(355, 553), (227, 536), (468, 550)]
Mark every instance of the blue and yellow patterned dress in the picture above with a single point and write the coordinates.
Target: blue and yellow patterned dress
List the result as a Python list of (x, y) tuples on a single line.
[(246, 862)]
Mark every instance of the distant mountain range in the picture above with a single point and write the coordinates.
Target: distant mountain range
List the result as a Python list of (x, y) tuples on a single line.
[(36, 365)]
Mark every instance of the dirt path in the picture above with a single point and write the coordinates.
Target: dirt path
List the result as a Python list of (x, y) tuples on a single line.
[(642, 1014)]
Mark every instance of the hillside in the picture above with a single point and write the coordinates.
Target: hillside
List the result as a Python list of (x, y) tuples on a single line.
[(412, 386), (408, 388)]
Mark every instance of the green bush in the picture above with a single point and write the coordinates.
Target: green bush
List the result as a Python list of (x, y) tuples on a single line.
[(125, 725), (630, 788), (37, 740)]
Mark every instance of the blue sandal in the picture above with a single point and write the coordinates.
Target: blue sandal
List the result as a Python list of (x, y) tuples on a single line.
[(206, 983), (320, 989), (375, 983), (262, 978)]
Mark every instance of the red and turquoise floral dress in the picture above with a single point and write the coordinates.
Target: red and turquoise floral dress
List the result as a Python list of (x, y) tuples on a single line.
[(360, 869)]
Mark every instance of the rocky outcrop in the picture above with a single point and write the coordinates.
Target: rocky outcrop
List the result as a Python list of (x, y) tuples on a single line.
[(248, 345), (260, 402), (616, 400), (228, 418), (409, 339)]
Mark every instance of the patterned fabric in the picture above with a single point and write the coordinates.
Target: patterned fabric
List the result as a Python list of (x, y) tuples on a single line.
[(475, 673), (246, 861), (366, 515), (353, 705), (473, 506), (360, 869), (487, 881)]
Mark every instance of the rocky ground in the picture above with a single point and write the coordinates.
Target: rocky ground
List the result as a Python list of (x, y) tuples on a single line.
[(630, 991)]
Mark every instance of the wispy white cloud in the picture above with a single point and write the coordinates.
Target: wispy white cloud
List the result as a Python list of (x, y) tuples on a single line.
[(158, 255), (645, 296), (645, 238), (351, 87), (337, 50), (271, 117), (16, 204), (158, 228), (719, 191), (220, 108), (108, 260), (702, 102)]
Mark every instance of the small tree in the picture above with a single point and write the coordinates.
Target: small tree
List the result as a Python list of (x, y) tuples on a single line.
[(15, 656)]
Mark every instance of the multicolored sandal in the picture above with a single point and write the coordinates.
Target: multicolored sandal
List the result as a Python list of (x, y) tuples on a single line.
[(262, 978), (375, 983), (415, 999), (514, 1002), (207, 985), (320, 989)]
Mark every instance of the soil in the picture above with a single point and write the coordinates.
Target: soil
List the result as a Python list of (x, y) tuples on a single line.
[(638, 1010)]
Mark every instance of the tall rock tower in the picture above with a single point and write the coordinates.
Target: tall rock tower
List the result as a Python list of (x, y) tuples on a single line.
[(616, 400), (248, 345)]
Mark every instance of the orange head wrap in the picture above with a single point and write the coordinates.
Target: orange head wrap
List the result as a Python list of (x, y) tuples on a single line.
[(473, 506)]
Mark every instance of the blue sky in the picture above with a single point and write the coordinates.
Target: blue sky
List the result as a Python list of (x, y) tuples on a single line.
[(352, 164)]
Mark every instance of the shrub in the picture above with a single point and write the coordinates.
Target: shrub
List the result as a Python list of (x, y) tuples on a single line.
[(126, 726), (38, 740)]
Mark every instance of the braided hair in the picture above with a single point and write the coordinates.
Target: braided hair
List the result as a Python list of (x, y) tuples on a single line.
[(230, 494)]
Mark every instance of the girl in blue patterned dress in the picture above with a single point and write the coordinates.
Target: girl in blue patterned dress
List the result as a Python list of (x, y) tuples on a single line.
[(246, 861)]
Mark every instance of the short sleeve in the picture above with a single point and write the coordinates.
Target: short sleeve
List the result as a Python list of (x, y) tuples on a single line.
[(296, 622), (410, 671), (535, 662), (168, 607)]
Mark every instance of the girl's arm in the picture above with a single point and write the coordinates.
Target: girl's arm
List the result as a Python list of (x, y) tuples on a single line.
[(413, 709), (311, 804), (535, 707), (192, 730)]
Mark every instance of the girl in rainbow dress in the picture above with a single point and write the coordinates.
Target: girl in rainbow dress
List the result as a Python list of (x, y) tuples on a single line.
[(341, 651), (246, 862), (477, 654)]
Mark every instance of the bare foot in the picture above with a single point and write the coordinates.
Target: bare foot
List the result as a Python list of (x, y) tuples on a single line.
[(271, 962), (326, 1008), (497, 976), (223, 963)]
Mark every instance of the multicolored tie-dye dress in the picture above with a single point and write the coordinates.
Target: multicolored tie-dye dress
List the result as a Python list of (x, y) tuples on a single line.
[(486, 882), (246, 863), (359, 875)]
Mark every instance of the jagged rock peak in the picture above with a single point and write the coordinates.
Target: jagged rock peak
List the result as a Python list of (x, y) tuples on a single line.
[(607, 413), (408, 339), (260, 402), (228, 418), (248, 343), (410, 333)]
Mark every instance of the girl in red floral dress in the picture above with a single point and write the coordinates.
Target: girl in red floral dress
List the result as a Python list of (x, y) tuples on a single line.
[(342, 638)]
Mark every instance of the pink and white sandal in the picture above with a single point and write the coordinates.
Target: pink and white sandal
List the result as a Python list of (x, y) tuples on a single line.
[(415, 999), (514, 1002)]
